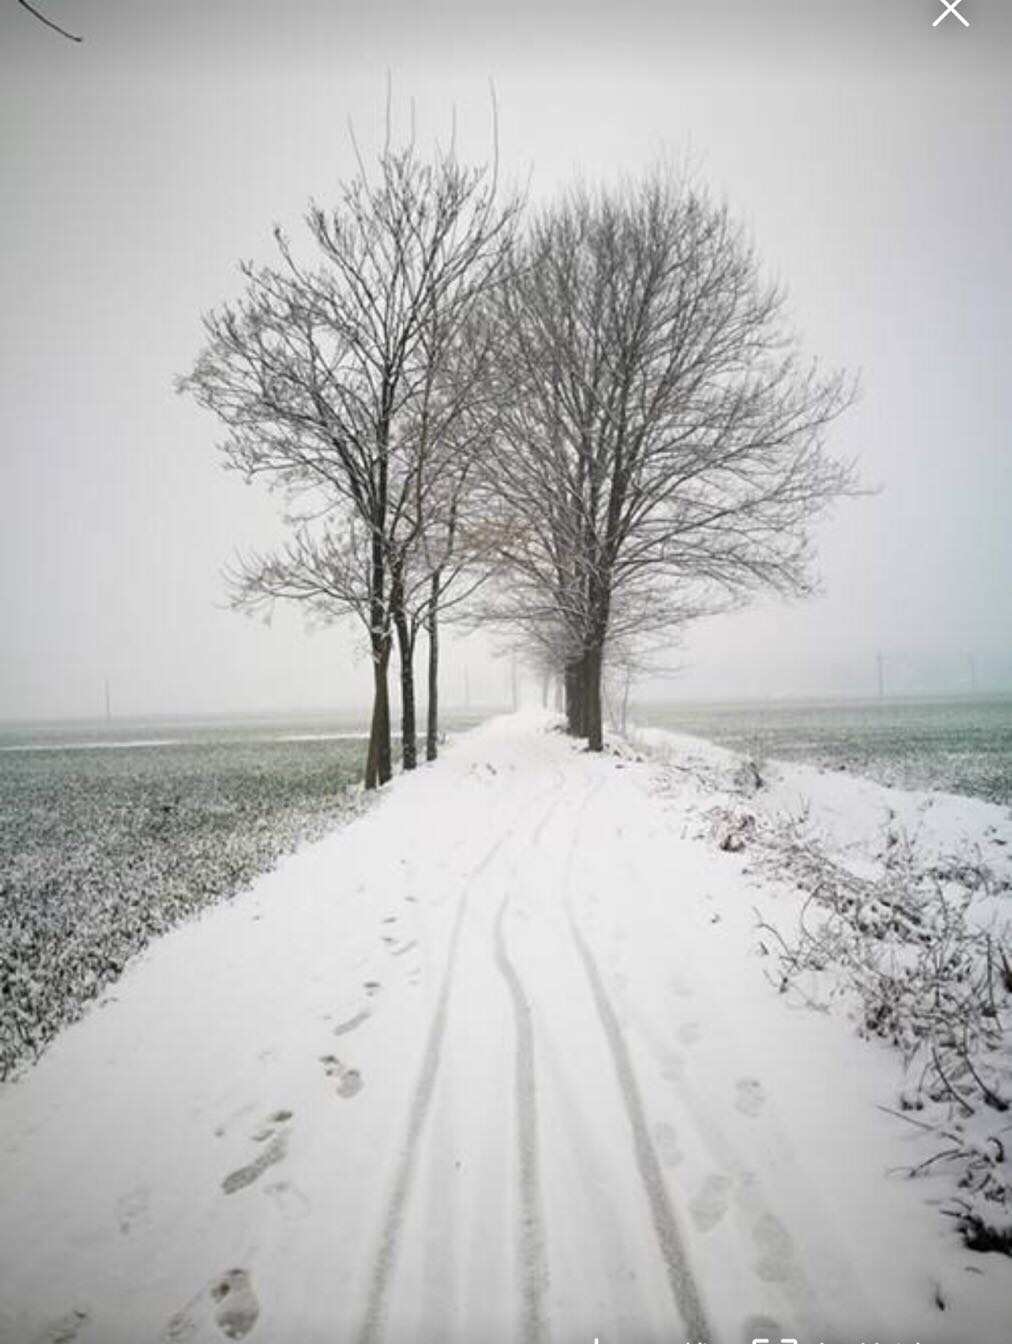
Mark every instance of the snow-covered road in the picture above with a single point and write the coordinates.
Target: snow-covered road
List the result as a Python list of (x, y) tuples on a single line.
[(496, 1062)]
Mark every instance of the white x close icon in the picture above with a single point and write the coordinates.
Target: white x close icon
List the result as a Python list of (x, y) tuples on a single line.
[(951, 7)]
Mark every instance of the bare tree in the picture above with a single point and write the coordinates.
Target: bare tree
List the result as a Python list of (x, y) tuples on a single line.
[(326, 378), (660, 444), (457, 566), (440, 559)]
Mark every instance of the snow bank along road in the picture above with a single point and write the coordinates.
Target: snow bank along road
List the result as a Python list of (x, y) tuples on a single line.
[(496, 1062)]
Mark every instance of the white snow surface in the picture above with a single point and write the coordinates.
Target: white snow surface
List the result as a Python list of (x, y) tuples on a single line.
[(496, 1061)]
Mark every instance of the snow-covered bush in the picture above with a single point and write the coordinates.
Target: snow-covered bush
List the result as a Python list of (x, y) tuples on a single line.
[(926, 970)]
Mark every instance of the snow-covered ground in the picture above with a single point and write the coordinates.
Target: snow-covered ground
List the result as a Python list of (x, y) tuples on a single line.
[(497, 1061), (850, 817)]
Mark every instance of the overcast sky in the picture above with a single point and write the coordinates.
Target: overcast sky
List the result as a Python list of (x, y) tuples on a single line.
[(869, 152)]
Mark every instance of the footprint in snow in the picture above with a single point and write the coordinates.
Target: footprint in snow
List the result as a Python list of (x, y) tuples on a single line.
[(269, 1156), (268, 1129), (228, 1302), (237, 1306), (243, 1176), (343, 1028), (749, 1096), (689, 1033), (775, 1263), (349, 1081), (711, 1200)]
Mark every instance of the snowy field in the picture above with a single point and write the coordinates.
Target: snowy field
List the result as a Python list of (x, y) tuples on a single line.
[(101, 849), (956, 745), (510, 1057), (112, 832)]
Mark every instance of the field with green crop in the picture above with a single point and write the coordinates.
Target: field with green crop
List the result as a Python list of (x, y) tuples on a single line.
[(957, 745), (102, 847)]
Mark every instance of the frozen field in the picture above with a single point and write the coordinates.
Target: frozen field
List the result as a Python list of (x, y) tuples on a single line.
[(956, 745)]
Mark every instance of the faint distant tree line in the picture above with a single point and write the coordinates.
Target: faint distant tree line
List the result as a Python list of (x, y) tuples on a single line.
[(586, 428)]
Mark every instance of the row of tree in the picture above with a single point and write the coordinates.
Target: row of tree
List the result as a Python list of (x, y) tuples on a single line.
[(588, 427)]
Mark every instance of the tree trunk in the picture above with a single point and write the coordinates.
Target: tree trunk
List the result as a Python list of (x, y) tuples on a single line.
[(406, 653), (593, 728), (432, 629), (599, 602), (576, 698), (378, 767), (409, 729)]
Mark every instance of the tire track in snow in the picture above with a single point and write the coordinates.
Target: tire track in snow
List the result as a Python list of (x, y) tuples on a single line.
[(533, 1255), (540, 828), (533, 1259), (386, 1255), (669, 1236)]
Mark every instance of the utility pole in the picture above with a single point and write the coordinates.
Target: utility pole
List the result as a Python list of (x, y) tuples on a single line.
[(513, 682), (467, 689), (973, 673), (108, 708), (881, 675)]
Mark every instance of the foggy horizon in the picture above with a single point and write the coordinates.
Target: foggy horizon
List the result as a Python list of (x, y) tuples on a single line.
[(147, 161), (530, 697)]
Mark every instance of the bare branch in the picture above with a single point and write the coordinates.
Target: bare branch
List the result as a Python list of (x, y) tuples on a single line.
[(48, 22)]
